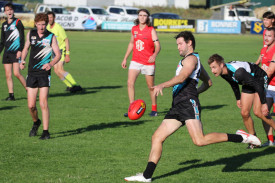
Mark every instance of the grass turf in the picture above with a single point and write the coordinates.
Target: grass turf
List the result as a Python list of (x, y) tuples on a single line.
[(91, 141)]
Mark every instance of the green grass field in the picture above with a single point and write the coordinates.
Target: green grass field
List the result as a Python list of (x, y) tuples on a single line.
[(91, 141)]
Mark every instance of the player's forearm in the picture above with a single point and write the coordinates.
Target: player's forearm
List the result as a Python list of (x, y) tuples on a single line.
[(55, 60), (204, 86), (157, 49), (67, 43), (172, 82), (24, 54)]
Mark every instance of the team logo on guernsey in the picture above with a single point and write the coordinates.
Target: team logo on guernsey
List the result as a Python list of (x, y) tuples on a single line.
[(12, 27), (33, 38), (5, 27), (45, 42), (139, 45)]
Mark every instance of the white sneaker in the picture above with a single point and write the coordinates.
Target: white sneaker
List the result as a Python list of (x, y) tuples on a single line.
[(138, 178), (268, 143), (248, 138)]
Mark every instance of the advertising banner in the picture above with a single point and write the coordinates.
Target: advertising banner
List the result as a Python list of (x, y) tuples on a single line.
[(173, 25), (77, 22), (218, 26), (119, 26), (257, 27)]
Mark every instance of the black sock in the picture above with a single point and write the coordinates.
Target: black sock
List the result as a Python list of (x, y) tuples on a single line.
[(45, 131), (11, 94), (38, 122), (234, 138), (148, 173)]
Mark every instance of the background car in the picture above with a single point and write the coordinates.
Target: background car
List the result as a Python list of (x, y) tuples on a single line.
[(123, 13), (99, 14), (166, 15)]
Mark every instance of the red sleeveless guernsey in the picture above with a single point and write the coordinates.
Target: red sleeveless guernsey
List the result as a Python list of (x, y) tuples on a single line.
[(143, 45), (266, 59)]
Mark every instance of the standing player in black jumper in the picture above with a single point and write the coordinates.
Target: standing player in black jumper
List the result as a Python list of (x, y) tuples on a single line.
[(42, 43), (12, 38)]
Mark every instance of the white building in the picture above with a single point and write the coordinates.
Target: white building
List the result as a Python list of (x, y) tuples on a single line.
[(145, 3), (150, 3), (72, 3)]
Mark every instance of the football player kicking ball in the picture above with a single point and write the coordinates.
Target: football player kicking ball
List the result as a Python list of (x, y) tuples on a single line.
[(42, 43), (185, 109)]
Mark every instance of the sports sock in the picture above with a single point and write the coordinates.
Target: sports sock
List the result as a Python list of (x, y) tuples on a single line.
[(148, 173), (154, 107), (38, 122), (11, 94), (45, 131), (234, 138), (270, 138), (67, 83), (70, 78)]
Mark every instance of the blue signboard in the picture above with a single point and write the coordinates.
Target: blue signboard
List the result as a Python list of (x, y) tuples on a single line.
[(117, 26), (257, 27), (219, 26)]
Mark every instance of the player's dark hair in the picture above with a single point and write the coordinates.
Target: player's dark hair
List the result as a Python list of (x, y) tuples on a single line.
[(215, 57), (187, 36), (269, 15), (148, 22), (10, 5), (271, 29), (41, 17), (51, 13)]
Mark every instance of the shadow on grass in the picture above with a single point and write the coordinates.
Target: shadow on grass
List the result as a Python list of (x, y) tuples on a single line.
[(7, 108), (85, 91), (232, 164), (16, 99), (212, 107), (100, 126), (70, 94), (103, 87)]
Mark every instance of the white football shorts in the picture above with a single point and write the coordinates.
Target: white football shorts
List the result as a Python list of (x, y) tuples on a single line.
[(144, 69)]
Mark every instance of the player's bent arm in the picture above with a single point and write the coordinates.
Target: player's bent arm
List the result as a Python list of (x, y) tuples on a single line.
[(26, 47), (235, 88), (25, 51), (67, 43), (156, 42), (271, 69), (189, 66), (56, 52), (204, 77)]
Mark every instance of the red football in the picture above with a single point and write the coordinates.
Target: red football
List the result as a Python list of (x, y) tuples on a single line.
[(136, 109)]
